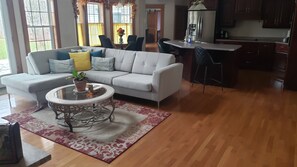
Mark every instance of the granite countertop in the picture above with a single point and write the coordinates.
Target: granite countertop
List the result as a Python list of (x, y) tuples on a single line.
[(208, 46), (255, 39)]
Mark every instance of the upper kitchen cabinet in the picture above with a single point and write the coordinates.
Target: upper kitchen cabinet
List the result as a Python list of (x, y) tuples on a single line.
[(277, 13), (226, 9), (211, 4), (248, 9)]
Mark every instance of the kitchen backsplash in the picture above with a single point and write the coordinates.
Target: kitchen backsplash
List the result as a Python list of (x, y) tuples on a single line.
[(253, 28)]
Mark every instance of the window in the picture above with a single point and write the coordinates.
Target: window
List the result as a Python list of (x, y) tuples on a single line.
[(95, 24), (122, 18), (40, 24)]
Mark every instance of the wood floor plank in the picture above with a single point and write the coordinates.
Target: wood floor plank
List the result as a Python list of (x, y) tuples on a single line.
[(254, 124)]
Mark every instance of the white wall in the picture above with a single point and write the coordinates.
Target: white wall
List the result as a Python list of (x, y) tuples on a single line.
[(140, 21), (253, 28), (67, 23)]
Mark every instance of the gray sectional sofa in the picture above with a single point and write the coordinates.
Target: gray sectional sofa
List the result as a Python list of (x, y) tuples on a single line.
[(147, 75)]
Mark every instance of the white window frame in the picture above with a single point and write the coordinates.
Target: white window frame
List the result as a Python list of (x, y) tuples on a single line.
[(50, 26)]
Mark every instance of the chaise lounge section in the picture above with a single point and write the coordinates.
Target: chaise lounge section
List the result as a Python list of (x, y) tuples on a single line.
[(147, 75)]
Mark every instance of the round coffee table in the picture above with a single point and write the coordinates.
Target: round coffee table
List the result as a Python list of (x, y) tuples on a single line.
[(81, 109)]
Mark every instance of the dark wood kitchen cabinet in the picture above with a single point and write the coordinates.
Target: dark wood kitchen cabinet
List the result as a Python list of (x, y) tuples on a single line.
[(211, 4), (248, 9), (280, 61), (265, 56), (226, 10), (254, 55), (277, 14)]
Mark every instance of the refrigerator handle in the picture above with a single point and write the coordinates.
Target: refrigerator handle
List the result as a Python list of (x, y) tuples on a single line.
[(198, 28), (200, 22), (201, 28)]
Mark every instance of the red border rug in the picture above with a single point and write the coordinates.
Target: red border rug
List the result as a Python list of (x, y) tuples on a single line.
[(105, 151)]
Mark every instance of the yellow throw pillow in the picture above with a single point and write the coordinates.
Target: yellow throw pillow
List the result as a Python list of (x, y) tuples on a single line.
[(81, 60)]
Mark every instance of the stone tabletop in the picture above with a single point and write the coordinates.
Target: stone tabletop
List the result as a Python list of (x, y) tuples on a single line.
[(204, 45)]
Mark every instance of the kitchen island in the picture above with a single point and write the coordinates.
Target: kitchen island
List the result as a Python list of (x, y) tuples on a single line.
[(226, 53)]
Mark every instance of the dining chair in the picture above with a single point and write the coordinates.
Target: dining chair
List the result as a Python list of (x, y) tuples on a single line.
[(139, 42), (204, 59), (131, 46), (105, 42), (164, 48), (131, 38)]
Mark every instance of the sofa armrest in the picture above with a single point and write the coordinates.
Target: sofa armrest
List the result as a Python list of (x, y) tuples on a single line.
[(30, 68), (167, 80)]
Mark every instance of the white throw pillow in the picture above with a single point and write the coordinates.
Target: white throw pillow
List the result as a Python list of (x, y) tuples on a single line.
[(103, 64), (61, 66)]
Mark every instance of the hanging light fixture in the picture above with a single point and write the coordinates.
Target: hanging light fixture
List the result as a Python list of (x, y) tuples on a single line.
[(200, 5), (193, 6)]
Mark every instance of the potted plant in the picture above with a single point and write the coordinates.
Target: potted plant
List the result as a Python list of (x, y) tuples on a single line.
[(80, 80)]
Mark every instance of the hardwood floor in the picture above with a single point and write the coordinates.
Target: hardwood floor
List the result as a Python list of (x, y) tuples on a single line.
[(251, 125)]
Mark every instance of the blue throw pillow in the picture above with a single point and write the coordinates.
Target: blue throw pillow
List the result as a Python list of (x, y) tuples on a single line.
[(103, 64), (61, 66), (97, 54), (63, 55)]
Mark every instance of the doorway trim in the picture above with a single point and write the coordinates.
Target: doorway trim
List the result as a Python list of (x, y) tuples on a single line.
[(161, 7)]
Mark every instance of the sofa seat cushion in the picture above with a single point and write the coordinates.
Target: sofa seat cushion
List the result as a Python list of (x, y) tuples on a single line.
[(134, 81), (35, 83), (104, 77)]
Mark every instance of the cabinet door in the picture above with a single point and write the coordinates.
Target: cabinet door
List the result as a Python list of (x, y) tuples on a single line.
[(277, 14), (254, 9), (248, 9), (285, 13), (241, 8), (227, 13), (269, 13), (211, 4), (265, 56), (248, 55)]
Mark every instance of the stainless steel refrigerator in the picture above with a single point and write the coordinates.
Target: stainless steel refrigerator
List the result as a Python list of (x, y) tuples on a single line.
[(201, 25)]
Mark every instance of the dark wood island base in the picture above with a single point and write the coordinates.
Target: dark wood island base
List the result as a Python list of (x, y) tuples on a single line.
[(227, 54)]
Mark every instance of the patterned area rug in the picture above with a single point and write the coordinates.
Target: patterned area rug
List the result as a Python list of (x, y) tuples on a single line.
[(105, 141)]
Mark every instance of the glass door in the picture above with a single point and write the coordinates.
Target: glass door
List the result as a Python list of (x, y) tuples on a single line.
[(7, 54), (4, 58)]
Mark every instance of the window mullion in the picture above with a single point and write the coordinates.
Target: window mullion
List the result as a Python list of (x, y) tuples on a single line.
[(50, 23)]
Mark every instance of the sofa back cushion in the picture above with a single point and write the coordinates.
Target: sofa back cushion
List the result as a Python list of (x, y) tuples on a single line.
[(123, 59), (93, 49), (39, 61), (148, 62)]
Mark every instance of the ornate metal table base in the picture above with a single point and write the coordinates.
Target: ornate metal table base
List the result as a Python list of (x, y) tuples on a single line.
[(75, 116)]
